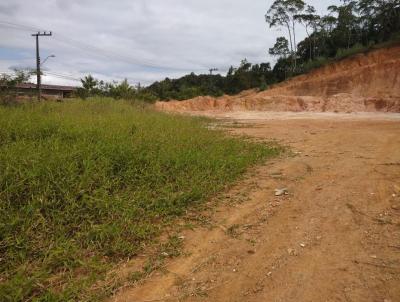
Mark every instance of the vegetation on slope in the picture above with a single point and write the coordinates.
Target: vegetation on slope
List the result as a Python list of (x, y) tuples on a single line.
[(86, 184), (353, 26)]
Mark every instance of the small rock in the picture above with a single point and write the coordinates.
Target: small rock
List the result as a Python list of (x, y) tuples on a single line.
[(374, 256), (291, 252), (164, 254), (393, 195), (234, 270), (251, 252), (302, 245), (269, 274), (395, 207), (387, 300), (276, 174), (280, 192), (181, 237), (385, 220)]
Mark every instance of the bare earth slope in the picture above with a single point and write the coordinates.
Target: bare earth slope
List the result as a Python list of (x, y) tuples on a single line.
[(335, 237), (362, 83)]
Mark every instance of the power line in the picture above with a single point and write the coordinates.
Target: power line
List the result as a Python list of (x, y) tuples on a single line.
[(113, 55), (19, 59), (64, 76), (18, 26), (93, 50), (57, 75)]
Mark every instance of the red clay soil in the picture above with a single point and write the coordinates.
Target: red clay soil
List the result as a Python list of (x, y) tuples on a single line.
[(362, 83), (334, 237)]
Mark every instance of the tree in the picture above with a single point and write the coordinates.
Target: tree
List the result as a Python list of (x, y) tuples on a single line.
[(281, 69), (281, 48), (282, 13), (122, 90), (309, 19), (379, 18), (89, 84), (347, 22), (8, 83)]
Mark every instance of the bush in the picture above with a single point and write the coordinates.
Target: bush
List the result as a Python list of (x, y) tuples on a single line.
[(8, 83), (310, 65), (346, 52), (263, 84)]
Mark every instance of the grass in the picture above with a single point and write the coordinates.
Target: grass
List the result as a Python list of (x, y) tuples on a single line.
[(86, 184)]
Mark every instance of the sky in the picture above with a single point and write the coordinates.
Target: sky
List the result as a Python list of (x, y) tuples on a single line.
[(141, 40)]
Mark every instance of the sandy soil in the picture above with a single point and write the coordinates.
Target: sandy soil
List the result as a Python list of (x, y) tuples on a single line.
[(362, 83), (334, 237)]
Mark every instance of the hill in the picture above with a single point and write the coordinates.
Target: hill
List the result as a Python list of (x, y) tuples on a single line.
[(366, 82)]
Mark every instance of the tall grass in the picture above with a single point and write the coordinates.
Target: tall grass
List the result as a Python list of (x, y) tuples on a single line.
[(86, 184), (347, 52)]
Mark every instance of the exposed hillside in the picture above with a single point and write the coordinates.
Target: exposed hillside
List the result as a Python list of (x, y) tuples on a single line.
[(364, 82)]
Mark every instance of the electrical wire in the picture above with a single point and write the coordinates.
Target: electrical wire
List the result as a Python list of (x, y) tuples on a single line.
[(93, 50), (63, 76)]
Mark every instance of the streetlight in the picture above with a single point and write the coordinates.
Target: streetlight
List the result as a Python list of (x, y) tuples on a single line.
[(44, 61)]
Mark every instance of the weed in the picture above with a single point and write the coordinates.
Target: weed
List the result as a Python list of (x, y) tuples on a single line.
[(85, 184), (233, 230)]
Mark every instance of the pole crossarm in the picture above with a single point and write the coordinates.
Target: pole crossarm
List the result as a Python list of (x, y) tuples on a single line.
[(212, 69), (44, 33)]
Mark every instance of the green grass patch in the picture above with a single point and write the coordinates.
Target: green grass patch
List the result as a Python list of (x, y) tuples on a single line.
[(85, 184)]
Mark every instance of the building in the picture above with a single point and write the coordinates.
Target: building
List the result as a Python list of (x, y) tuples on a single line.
[(48, 91)]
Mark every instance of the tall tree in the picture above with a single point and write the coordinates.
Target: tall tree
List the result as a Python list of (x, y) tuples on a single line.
[(282, 13), (309, 19), (379, 18), (347, 21)]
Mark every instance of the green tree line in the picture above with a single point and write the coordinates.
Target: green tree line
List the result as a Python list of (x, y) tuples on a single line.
[(348, 28), (351, 27), (246, 76)]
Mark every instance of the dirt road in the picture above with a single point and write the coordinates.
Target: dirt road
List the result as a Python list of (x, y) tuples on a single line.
[(334, 237)]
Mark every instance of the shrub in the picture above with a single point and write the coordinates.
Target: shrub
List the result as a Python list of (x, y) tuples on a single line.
[(346, 52)]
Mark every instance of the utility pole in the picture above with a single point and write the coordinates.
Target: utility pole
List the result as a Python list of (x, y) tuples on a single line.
[(212, 69), (38, 76)]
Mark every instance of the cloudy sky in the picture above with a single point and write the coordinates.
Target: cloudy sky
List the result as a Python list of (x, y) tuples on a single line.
[(141, 40)]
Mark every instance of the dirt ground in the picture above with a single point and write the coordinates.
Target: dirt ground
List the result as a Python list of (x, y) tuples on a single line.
[(366, 82), (334, 237)]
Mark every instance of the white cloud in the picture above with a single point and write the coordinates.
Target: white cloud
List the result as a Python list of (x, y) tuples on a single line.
[(179, 36)]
